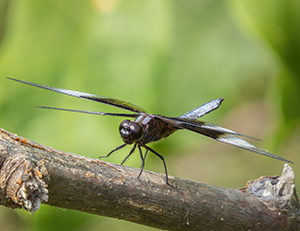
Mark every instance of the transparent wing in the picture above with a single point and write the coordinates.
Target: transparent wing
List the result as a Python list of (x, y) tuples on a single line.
[(102, 99), (93, 112), (203, 109), (219, 133)]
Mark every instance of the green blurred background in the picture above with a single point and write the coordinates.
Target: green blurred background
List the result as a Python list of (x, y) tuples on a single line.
[(167, 57)]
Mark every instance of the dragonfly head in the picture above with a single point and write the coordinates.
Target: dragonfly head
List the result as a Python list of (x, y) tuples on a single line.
[(130, 131)]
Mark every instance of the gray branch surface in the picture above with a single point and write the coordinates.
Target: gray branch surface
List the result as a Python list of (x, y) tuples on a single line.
[(32, 174)]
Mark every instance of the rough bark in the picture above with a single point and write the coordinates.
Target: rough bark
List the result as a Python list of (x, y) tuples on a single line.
[(32, 174)]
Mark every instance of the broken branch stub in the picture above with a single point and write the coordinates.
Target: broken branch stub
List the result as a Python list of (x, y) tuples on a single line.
[(24, 181), (278, 193)]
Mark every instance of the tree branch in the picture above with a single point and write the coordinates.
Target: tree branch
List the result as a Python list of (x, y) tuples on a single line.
[(32, 174)]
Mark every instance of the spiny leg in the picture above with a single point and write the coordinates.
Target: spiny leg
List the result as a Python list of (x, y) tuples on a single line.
[(142, 159), (116, 149), (132, 150), (163, 160)]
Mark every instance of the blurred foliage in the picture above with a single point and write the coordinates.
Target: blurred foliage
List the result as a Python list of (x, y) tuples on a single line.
[(165, 56)]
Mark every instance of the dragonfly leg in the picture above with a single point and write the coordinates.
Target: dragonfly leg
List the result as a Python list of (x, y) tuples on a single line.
[(142, 159), (132, 150), (163, 160), (116, 149)]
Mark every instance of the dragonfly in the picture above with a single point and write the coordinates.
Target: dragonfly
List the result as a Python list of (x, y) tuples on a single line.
[(146, 127)]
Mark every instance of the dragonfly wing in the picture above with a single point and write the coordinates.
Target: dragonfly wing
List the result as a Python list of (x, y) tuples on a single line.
[(219, 133), (241, 143), (203, 109), (102, 99), (92, 112), (115, 102)]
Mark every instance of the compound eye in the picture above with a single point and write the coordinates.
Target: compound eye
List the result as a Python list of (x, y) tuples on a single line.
[(124, 124), (136, 130)]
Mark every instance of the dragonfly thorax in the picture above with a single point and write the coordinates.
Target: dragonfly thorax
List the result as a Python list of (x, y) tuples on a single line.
[(130, 131)]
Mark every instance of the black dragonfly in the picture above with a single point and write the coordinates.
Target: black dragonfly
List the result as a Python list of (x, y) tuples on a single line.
[(149, 127)]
